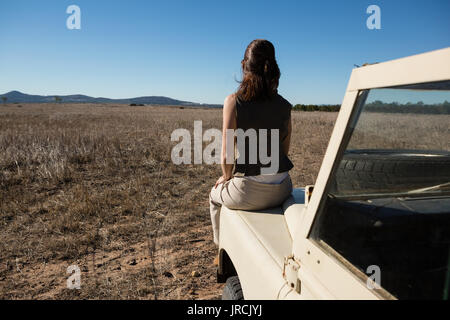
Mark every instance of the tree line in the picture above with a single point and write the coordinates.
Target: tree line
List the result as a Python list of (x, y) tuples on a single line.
[(384, 107), (315, 107), (418, 107)]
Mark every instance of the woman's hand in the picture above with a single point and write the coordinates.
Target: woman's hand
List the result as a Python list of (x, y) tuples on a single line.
[(222, 179)]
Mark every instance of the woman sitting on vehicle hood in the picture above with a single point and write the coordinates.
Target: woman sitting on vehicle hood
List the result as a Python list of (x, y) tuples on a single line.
[(257, 127)]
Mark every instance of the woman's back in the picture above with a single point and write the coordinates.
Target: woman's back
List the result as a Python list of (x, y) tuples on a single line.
[(269, 114)]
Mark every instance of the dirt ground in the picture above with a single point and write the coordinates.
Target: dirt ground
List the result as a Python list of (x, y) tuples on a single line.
[(94, 186)]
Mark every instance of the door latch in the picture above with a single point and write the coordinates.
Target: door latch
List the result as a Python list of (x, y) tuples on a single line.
[(290, 273)]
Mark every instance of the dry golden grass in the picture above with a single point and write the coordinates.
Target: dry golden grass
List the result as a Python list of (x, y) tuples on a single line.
[(94, 185), (402, 131)]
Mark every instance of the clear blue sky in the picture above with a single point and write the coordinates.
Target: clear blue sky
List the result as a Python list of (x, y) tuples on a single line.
[(191, 50)]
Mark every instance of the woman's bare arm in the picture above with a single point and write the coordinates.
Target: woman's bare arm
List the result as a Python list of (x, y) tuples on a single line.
[(229, 122), (287, 140)]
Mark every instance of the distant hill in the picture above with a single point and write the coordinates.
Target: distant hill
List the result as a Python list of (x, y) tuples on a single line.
[(19, 97)]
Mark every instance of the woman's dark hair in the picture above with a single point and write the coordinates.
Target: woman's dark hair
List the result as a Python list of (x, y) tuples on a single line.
[(260, 72)]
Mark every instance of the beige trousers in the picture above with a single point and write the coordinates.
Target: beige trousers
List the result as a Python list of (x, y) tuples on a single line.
[(245, 194)]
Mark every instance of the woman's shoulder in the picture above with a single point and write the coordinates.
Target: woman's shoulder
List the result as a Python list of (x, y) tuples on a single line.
[(283, 101), (230, 103), (230, 99)]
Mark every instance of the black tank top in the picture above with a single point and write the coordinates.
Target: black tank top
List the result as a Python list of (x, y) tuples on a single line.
[(273, 113)]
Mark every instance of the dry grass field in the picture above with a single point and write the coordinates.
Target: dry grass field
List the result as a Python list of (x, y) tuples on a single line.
[(94, 185), (402, 131)]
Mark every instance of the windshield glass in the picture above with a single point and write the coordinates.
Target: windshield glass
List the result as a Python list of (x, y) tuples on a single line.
[(388, 202), (399, 143)]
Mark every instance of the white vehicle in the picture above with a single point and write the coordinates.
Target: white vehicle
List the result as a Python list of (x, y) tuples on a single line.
[(376, 225)]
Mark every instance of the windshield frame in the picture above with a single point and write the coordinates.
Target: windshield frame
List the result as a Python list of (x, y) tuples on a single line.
[(353, 124)]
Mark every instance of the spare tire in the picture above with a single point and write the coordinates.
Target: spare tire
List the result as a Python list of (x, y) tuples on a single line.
[(394, 170)]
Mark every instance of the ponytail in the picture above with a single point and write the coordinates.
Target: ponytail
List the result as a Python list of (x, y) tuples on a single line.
[(260, 72)]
